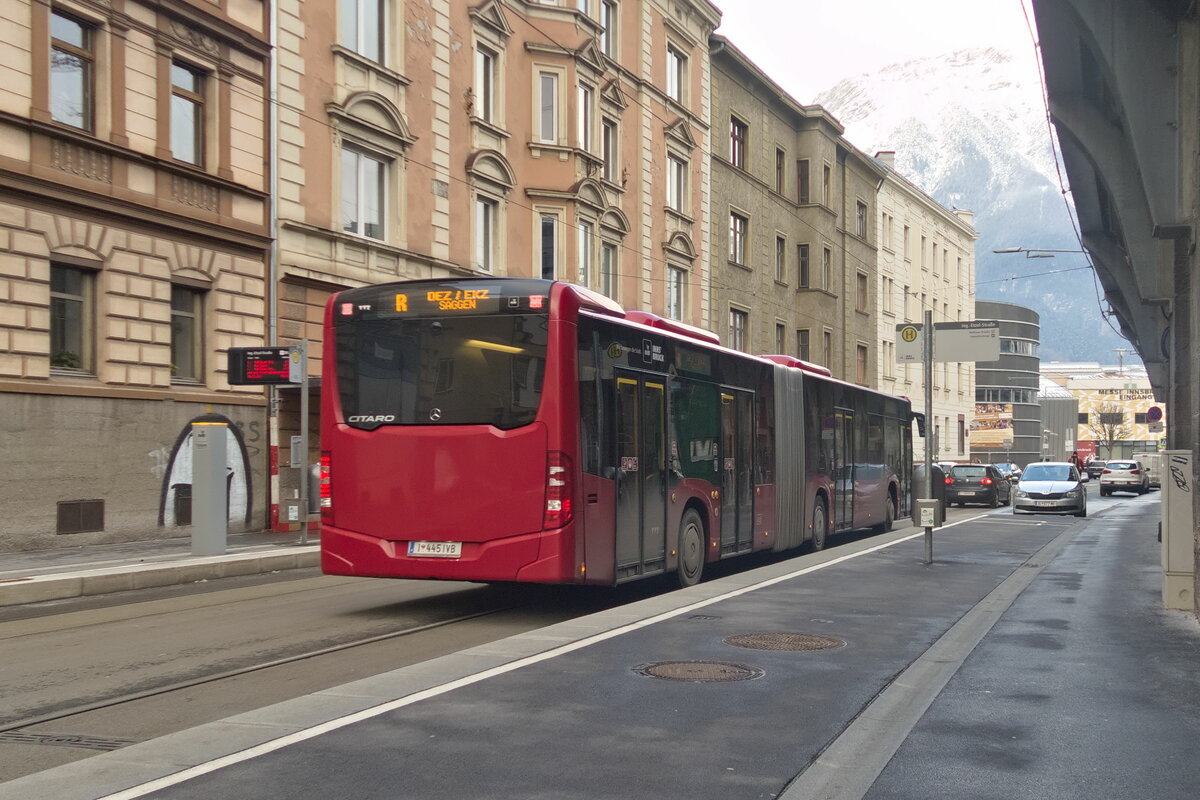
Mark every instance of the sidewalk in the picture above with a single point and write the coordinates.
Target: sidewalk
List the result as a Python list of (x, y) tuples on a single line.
[(1032, 659), (40, 575)]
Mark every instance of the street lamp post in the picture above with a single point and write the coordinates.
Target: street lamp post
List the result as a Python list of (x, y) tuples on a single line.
[(1035, 252), (1045, 445)]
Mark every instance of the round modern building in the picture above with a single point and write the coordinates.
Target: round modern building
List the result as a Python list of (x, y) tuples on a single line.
[(1008, 420)]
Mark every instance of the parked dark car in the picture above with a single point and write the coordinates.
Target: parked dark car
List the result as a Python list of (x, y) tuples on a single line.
[(977, 483), (1094, 468)]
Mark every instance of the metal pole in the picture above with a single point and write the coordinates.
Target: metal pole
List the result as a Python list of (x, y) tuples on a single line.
[(303, 441), (927, 363)]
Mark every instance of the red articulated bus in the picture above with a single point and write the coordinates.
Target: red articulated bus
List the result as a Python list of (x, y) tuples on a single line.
[(510, 429)]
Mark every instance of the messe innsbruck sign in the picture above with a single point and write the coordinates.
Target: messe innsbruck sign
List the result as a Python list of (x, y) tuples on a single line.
[(976, 340)]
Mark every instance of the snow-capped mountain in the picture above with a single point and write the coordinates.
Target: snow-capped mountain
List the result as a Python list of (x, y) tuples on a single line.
[(970, 129)]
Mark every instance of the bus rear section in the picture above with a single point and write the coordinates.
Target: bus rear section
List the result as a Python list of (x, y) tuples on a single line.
[(437, 460)]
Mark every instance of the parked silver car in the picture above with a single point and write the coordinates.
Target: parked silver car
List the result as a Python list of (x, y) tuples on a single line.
[(1124, 476), (1050, 487)]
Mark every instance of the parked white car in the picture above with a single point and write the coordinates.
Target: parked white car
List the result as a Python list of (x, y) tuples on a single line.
[(1124, 476), (1152, 462)]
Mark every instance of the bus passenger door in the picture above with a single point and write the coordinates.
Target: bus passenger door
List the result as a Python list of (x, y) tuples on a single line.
[(654, 476), (843, 469), (737, 480), (641, 476)]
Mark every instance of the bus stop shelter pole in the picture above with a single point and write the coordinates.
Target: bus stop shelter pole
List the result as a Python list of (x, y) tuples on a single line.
[(302, 461), (927, 364)]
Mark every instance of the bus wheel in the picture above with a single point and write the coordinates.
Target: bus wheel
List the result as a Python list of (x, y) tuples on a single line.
[(691, 548), (820, 525), (889, 516)]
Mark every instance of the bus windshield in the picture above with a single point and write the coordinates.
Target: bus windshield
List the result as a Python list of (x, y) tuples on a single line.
[(454, 370)]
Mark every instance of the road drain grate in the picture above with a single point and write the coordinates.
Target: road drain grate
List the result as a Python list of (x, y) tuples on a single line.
[(796, 642), (700, 671), (65, 740)]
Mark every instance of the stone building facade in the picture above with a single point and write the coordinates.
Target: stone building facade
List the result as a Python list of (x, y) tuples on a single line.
[(133, 254), (794, 242), (926, 261), (557, 139)]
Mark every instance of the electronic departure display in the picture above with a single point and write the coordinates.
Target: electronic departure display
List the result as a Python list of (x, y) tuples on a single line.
[(263, 366), (444, 299)]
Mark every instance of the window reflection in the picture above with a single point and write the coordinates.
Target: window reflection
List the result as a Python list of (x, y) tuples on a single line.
[(70, 71), (187, 113)]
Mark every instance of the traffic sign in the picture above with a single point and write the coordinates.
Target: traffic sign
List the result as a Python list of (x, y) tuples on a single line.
[(974, 340), (909, 344), (1154, 414)]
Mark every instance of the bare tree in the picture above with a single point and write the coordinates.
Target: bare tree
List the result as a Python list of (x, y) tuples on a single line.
[(1107, 426)]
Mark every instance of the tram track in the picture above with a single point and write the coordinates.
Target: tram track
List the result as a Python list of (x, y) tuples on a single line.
[(97, 675), (8, 727)]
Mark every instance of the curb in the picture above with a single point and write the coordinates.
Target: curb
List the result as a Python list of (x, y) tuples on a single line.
[(87, 582)]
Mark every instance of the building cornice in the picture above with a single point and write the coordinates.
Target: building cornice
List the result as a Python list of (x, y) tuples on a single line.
[(61, 197)]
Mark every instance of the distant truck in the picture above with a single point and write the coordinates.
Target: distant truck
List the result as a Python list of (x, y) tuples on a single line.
[(1153, 465)]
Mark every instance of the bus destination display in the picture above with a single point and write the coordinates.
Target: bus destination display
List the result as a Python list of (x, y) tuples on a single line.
[(452, 298), (447, 300)]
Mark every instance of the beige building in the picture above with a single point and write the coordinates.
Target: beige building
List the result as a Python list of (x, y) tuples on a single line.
[(564, 139), (133, 254), (926, 262), (1115, 408), (793, 242)]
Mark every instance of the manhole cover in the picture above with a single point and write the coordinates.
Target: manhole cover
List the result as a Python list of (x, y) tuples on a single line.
[(700, 671), (797, 642)]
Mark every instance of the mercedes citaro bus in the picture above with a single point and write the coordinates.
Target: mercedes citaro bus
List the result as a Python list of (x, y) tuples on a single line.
[(507, 429)]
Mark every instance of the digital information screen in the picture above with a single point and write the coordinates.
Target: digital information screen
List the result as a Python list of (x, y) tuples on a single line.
[(264, 366)]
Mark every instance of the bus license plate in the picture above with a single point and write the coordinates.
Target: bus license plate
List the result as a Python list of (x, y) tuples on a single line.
[(435, 549)]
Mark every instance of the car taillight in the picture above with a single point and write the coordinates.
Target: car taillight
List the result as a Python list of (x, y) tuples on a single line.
[(1106, 472), (325, 486), (559, 490), (1135, 472), (949, 481), (986, 481)]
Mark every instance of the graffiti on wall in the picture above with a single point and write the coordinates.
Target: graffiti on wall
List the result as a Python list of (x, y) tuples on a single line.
[(175, 506)]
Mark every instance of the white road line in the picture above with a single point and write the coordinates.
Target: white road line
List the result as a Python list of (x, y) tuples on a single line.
[(196, 771), (850, 765)]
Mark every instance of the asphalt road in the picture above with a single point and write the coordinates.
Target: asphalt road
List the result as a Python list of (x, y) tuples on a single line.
[(94, 651), (64, 656)]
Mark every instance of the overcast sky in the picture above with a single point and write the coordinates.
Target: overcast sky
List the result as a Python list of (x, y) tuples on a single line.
[(807, 46)]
